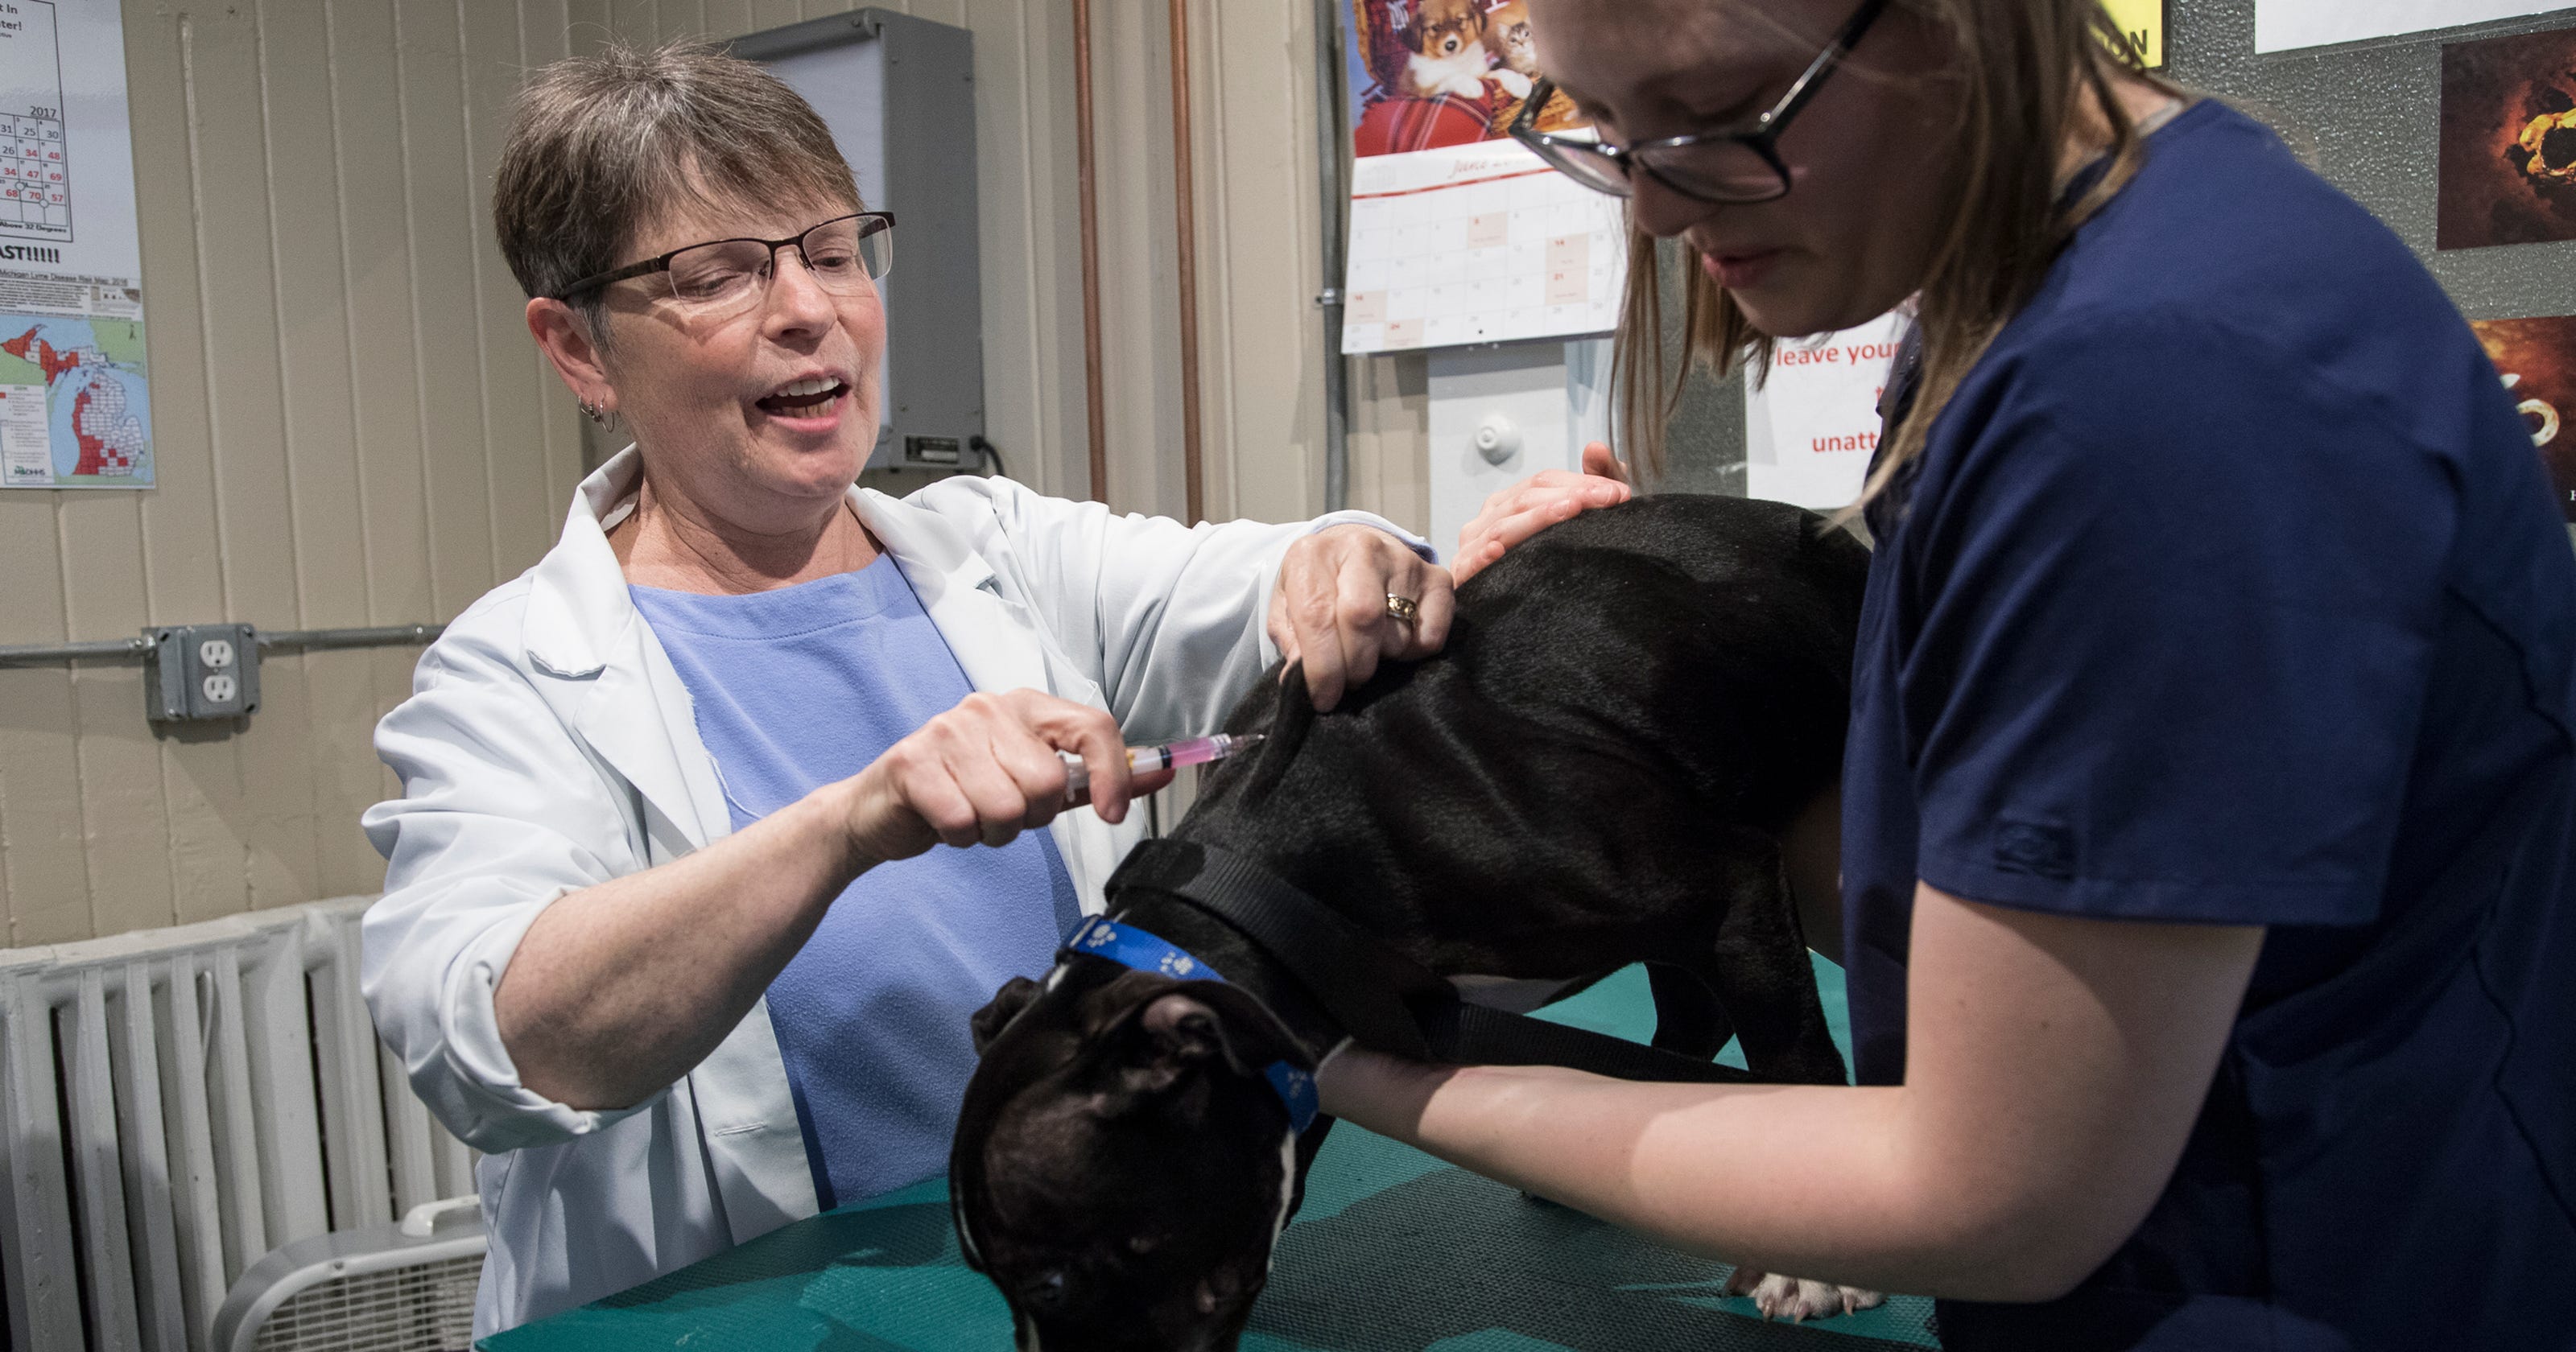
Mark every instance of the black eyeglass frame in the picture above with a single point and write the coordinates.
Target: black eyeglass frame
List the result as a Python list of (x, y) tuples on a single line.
[(662, 263), (1761, 135)]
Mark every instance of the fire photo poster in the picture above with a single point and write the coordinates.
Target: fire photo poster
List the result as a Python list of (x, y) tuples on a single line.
[(2537, 358), (2508, 141)]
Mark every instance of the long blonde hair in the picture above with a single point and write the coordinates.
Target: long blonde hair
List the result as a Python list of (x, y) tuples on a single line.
[(2022, 66)]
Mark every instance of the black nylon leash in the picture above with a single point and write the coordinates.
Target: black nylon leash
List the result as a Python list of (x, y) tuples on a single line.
[(1384, 999)]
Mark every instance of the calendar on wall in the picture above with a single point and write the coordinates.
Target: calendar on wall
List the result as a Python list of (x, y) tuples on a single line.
[(1478, 244), (75, 393), (35, 176), (35, 187)]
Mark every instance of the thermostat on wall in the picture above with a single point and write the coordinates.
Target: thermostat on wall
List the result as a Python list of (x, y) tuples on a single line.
[(941, 451)]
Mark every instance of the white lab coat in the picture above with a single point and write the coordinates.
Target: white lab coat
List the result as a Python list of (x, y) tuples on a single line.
[(549, 746)]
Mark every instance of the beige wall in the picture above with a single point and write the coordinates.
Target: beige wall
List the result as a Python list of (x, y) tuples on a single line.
[(1261, 339), (351, 427)]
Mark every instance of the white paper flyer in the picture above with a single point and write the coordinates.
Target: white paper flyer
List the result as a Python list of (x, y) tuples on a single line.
[(1812, 426), (75, 408), (2280, 25)]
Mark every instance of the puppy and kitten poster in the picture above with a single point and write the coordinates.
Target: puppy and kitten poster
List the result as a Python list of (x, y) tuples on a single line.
[(1431, 73), (1459, 234)]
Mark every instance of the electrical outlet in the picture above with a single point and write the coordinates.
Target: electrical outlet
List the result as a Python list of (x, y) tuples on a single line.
[(201, 673)]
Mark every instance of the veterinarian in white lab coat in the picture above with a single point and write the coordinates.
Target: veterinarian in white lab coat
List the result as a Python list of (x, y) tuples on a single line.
[(696, 767), (2208, 815)]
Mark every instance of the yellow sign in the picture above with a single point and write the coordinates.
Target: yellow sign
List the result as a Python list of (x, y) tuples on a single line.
[(2144, 22)]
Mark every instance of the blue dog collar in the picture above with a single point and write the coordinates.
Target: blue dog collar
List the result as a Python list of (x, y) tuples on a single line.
[(1131, 947)]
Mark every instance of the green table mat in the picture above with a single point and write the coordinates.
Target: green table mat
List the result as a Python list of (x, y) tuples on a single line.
[(1393, 1250)]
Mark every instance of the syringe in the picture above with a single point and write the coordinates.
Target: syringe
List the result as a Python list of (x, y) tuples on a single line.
[(1171, 755)]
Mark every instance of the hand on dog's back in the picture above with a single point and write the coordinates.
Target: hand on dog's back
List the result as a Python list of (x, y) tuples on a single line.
[(1512, 515)]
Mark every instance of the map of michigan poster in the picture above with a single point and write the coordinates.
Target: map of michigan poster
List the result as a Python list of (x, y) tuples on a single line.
[(75, 403)]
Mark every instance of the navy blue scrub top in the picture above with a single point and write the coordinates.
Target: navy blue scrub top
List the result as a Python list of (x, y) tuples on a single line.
[(2228, 590)]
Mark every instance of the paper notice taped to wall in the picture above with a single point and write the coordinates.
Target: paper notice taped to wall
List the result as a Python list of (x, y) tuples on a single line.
[(2144, 22), (2280, 25), (76, 412), (1812, 426)]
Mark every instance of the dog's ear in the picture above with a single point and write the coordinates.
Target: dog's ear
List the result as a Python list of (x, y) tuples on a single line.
[(1203, 1025), (1277, 707), (989, 1021)]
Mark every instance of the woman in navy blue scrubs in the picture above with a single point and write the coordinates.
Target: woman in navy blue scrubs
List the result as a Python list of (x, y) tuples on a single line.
[(2209, 824)]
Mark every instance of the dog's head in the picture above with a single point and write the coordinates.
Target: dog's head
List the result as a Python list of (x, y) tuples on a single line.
[(1122, 1167), (1446, 28)]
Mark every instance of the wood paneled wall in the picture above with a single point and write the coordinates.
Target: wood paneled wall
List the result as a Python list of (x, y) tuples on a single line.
[(347, 428), (351, 426)]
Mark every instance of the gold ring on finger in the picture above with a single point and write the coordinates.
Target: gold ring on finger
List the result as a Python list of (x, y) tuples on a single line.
[(1402, 609)]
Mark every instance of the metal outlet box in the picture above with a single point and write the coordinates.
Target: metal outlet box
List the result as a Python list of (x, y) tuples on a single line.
[(899, 95), (201, 672)]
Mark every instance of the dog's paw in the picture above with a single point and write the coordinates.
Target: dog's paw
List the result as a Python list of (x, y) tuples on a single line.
[(1796, 1299)]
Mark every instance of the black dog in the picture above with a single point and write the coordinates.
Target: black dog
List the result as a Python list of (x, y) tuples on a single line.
[(1632, 708)]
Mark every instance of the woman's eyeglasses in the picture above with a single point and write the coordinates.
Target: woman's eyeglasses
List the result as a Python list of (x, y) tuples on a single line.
[(1733, 165), (719, 278)]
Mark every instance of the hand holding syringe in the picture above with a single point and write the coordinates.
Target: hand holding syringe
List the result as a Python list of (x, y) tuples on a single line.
[(1169, 756)]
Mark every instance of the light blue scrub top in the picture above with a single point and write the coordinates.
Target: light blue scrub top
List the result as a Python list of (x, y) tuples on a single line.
[(798, 688)]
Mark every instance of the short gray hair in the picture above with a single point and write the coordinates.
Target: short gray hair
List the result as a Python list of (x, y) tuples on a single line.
[(599, 146)]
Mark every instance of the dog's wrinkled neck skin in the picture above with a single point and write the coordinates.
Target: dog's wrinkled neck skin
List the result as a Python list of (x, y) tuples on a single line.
[(1240, 961)]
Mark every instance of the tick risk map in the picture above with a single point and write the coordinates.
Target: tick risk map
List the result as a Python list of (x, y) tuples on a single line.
[(72, 403)]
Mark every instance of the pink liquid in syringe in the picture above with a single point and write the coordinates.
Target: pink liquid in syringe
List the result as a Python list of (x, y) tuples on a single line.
[(1195, 751), (1171, 755)]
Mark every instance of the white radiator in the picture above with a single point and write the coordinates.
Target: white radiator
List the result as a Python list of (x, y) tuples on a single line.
[(174, 1104)]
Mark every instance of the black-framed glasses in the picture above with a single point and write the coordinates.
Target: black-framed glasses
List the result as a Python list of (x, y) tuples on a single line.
[(723, 276), (1734, 164)]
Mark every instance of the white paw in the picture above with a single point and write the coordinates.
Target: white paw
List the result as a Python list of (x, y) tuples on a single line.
[(1513, 82), (1797, 1299)]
